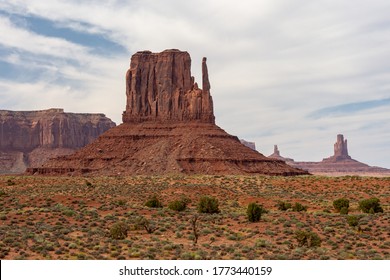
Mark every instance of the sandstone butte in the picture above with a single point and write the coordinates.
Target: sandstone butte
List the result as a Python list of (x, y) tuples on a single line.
[(341, 163), (249, 144), (29, 138), (168, 128)]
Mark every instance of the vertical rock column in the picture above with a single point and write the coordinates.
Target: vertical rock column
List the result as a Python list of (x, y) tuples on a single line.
[(340, 147), (159, 87)]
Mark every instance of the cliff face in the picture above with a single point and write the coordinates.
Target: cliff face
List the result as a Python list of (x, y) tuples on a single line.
[(159, 87), (51, 132)]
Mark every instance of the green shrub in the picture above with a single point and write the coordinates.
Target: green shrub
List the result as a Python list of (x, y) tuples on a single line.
[(119, 231), (88, 184), (353, 221), (370, 205), (341, 203), (177, 205), (120, 202), (10, 182), (154, 202), (283, 206), (344, 211), (208, 205), (307, 238), (254, 212), (299, 207)]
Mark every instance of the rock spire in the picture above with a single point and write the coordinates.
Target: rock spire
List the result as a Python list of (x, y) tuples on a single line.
[(340, 150)]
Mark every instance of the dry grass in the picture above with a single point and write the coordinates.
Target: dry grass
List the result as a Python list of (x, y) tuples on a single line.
[(71, 218)]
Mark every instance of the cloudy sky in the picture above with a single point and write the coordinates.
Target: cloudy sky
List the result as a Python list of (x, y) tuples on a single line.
[(292, 73)]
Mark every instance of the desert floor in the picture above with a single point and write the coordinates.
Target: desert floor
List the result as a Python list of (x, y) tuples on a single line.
[(71, 218)]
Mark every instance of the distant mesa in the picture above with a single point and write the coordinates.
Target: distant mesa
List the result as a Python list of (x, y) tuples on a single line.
[(168, 128), (29, 138), (341, 163), (249, 144)]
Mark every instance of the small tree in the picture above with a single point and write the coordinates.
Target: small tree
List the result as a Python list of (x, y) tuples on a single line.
[(146, 224), (119, 231), (194, 226), (307, 238), (254, 212), (370, 205), (341, 205), (154, 202), (208, 205)]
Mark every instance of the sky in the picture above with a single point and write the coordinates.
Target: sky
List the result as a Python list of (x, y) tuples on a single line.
[(291, 73)]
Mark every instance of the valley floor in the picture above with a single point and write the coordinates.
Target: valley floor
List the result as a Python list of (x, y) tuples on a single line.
[(71, 218)]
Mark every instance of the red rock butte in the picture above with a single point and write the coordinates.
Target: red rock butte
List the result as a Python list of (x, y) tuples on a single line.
[(168, 128), (341, 163)]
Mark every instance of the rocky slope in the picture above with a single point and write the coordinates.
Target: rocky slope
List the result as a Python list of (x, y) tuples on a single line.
[(168, 127), (31, 137)]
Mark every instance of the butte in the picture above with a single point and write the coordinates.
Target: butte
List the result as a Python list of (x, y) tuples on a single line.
[(168, 128)]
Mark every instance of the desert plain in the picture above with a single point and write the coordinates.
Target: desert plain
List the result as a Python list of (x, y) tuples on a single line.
[(65, 217)]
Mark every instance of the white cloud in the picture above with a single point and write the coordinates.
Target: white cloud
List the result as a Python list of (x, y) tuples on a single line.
[(18, 38)]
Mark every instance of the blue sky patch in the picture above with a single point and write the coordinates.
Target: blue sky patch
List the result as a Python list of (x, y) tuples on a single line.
[(349, 108), (96, 42)]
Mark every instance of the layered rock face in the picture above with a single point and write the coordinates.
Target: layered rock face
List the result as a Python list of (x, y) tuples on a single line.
[(31, 137), (159, 87), (168, 128)]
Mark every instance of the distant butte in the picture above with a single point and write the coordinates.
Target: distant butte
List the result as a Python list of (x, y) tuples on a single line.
[(168, 128), (29, 138), (341, 163), (249, 144)]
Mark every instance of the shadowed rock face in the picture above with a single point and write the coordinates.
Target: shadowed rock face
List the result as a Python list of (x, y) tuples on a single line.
[(31, 137), (168, 127), (159, 87)]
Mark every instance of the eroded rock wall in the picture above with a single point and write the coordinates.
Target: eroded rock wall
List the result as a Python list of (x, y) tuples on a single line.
[(29, 137), (159, 87)]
